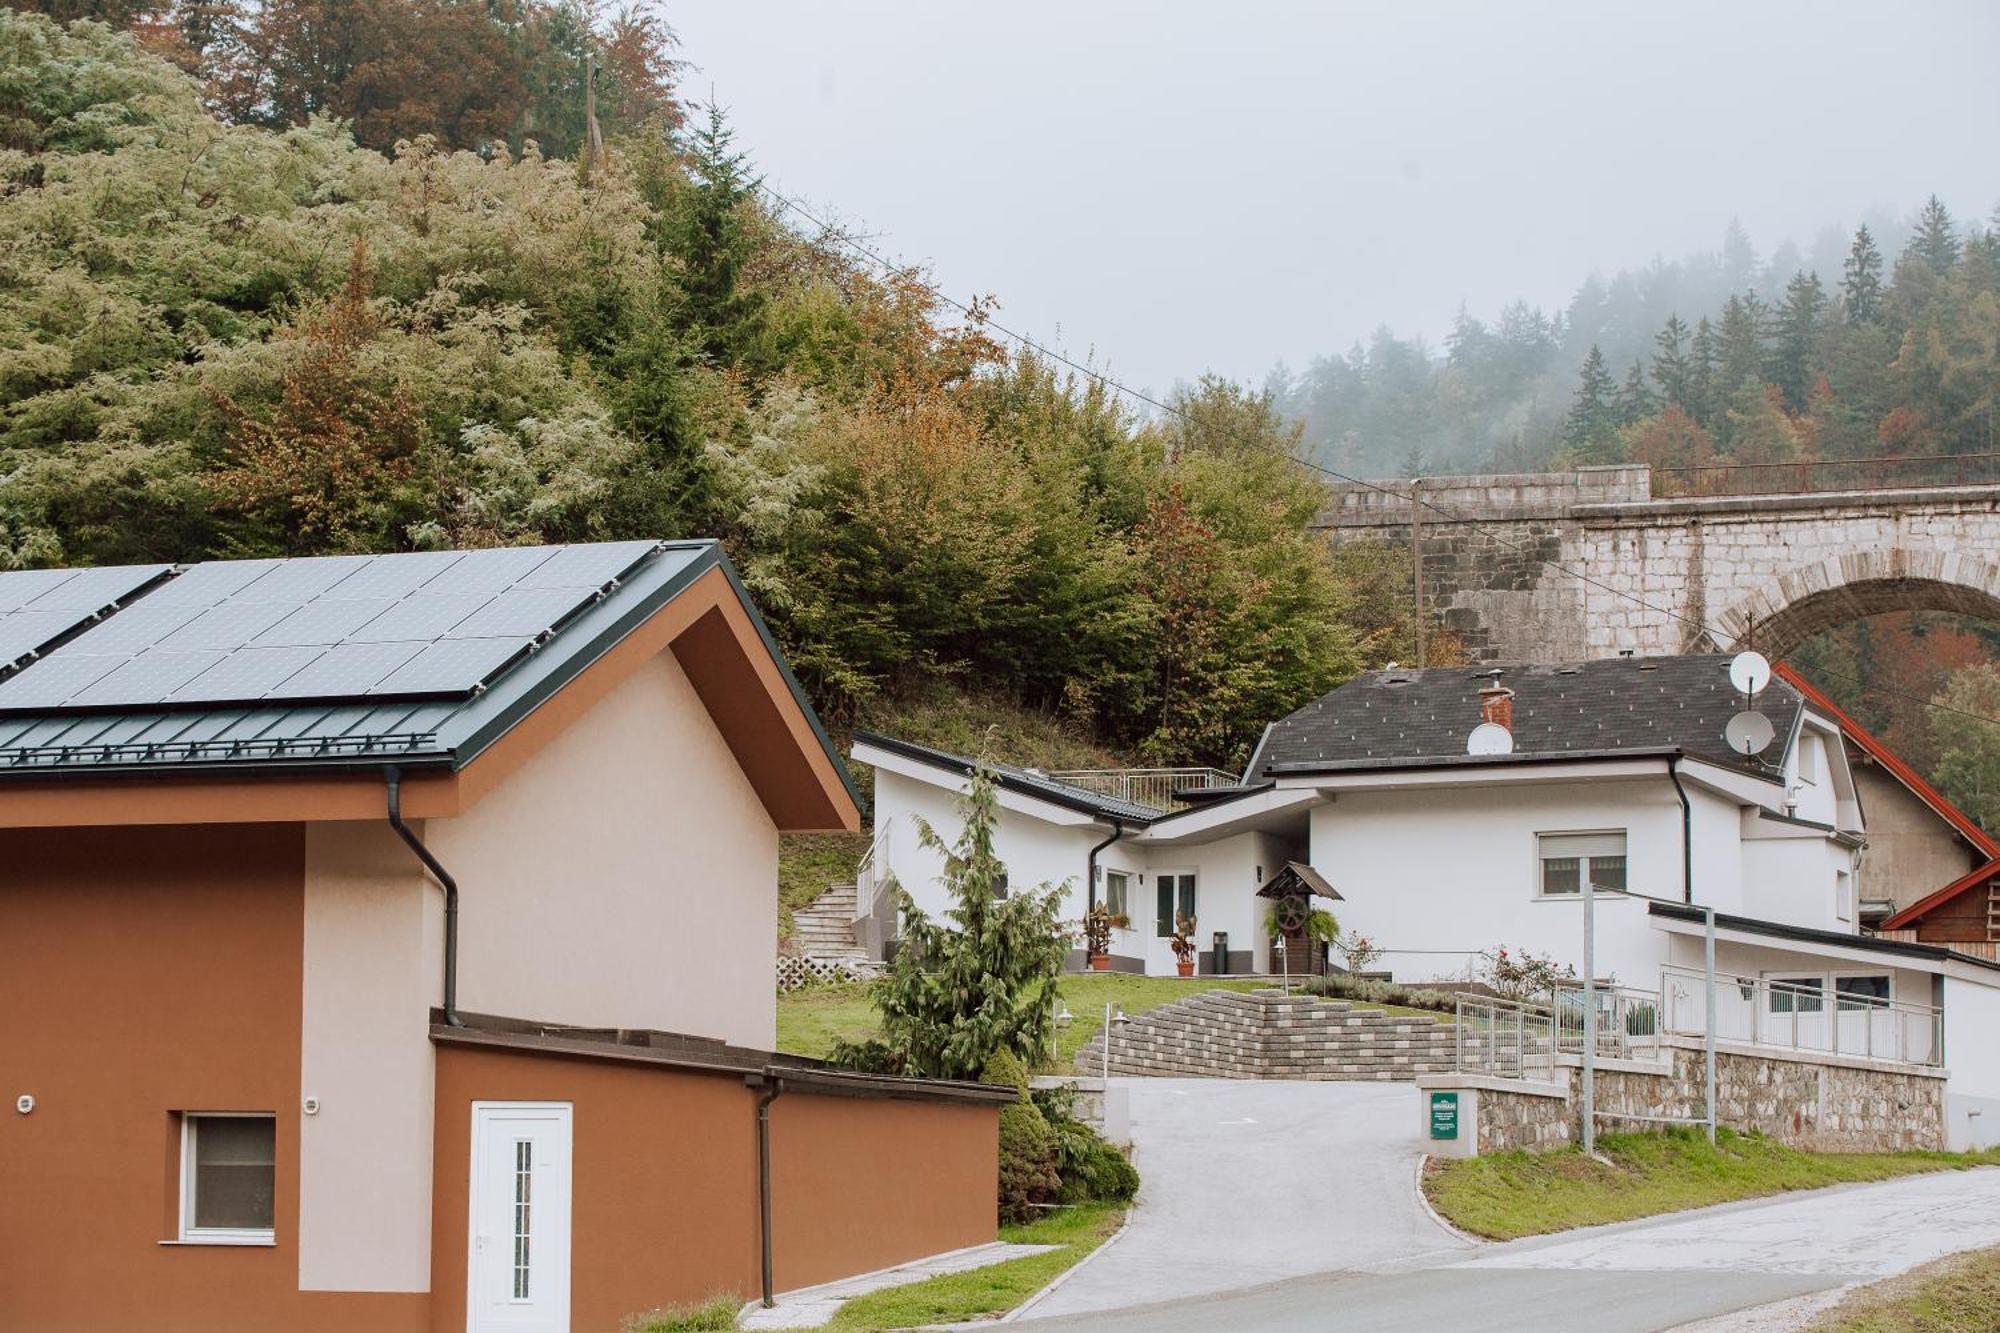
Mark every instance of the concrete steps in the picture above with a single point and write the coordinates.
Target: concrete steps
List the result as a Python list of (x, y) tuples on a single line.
[(1228, 1034), (824, 928)]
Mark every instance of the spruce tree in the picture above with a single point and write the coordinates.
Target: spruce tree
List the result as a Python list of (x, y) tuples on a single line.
[(1672, 370), (709, 231), (1936, 238), (1861, 280), (1635, 399), (1797, 351), (1701, 372), (959, 994), (1741, 349), (1590, 431)]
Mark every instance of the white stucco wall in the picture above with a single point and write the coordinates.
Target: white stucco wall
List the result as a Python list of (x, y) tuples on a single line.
[(372, 971), (1437, 877), (1972, 1054), (625, 875), (1037, 850)]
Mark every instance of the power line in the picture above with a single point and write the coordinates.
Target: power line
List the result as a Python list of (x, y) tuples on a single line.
[(1413, 498)]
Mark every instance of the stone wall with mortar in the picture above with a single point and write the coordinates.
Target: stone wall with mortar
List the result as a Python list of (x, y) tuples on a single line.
[(1819, 1104), (1510, 1121), (1655, 572)]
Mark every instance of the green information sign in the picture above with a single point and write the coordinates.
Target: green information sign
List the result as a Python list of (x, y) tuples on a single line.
[(1444, 1115)]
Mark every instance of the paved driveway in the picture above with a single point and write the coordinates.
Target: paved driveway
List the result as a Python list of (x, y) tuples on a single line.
[(1638, 1277), (1251, 1182)]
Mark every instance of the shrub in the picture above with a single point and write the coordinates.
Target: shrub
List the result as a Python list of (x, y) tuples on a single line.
[(1090, 1166), (1028, 1147), (1339, 986), (717, 1312)]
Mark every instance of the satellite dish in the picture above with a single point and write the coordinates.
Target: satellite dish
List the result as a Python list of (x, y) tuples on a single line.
[(1490, 738), (1750, 733), (1749, 672)]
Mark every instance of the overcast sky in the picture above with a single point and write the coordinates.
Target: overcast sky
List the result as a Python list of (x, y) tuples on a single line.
[(1185, 186)]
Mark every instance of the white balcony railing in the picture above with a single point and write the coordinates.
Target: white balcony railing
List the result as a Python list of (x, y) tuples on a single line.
[(1788, 1016), (1145, 786)]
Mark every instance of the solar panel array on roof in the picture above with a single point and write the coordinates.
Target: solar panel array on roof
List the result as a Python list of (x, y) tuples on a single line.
[(40, 606), (240, 631)]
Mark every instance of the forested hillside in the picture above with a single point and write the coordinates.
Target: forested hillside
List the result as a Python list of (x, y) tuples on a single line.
[(1886, 348), (229, 329)]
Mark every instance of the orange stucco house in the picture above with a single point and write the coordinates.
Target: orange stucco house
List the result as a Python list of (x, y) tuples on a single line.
[(385, 944)]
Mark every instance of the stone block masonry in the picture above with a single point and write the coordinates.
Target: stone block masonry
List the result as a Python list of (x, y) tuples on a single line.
[(1229, 1034), (1812, 1102), (1574, 566)]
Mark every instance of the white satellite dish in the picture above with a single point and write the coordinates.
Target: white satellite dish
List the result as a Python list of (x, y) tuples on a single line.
[(1489, 738), (1749, 733), (1749, 672)]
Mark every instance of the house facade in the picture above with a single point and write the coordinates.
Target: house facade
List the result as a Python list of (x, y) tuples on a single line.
[(384, 945), (1616, 772)]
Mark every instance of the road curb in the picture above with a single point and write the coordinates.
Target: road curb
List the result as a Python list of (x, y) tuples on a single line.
[(1423, 1201), (1064, 1276)]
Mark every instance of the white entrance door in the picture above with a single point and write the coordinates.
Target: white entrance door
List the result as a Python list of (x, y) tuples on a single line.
[(519, 1257)]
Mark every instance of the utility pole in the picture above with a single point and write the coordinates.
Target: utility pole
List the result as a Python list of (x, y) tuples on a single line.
[(593, 137), (1417, 562), (1589, 1015)]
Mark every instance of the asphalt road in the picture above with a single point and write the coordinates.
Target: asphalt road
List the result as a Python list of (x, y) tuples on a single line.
[(1273, 1206)]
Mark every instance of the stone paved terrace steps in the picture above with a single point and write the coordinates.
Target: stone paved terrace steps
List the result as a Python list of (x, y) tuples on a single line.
[(1266, 1034), (824, 928)]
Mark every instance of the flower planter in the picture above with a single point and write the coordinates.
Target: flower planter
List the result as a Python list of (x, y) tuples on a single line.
[(1100, 962), (1185, 969)]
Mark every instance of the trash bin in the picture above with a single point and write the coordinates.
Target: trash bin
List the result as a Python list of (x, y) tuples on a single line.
[(1221, 952)]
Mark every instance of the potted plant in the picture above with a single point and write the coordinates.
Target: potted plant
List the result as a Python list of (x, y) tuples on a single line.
[(1098, 923), (1183, 942)]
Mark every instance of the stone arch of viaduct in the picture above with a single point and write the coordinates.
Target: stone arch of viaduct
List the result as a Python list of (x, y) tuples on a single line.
[(1577, 565)]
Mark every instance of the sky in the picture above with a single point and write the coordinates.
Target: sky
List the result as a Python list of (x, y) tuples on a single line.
[(1173, 188)]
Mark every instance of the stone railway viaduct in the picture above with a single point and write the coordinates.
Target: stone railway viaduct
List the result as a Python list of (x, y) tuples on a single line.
[(1713, 572)]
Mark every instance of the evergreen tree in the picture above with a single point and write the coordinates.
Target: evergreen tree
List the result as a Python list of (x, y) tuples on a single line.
[(1935, 240), (1861, 280), (1635, 399), (1590, 432), (957, 995), (709, 229), (1701, 372), (1741, 349), (1672, 370), (1796, 353)]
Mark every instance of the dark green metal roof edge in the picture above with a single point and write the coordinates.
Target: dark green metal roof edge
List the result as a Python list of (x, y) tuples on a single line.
[(1049, 790), (598, 630)]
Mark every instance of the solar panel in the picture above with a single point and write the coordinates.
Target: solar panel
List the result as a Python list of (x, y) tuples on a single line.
[(590, 566), (518, 612), (248, 674), (448, 664), (148, 678), (427, 615), (324, 622), (431, 623), (38, 607)]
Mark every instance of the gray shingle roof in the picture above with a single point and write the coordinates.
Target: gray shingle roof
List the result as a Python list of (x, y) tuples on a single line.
[(1646, 704), (552, 611), (1024, 780)]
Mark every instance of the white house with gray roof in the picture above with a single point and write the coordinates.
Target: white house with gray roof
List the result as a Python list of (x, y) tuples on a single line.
[(1619, 774)]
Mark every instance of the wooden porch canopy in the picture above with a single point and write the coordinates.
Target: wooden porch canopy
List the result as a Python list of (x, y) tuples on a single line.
[(1298, 880)]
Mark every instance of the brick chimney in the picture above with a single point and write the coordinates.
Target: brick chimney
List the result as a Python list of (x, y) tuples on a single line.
[(1496, 704)]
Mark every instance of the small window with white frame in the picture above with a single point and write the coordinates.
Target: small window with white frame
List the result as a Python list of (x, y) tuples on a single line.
[(1567, 860), (228, 1177), (1117, 892)]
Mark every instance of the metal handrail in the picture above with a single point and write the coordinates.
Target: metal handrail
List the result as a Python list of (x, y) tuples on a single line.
[(1155, 787), (1505, 1038), (1628, 1020), (1784, 1016)]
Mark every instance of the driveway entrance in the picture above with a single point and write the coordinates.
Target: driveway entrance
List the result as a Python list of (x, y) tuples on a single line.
[(1247, 1182)]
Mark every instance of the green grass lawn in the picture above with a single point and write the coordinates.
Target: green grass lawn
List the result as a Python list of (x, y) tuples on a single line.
[(996, 1288), (811, 863), (1511, 1194), (810, 1021), (1960, 1291)]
